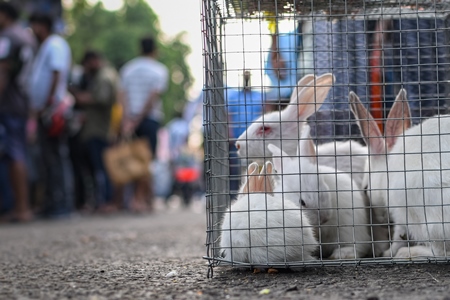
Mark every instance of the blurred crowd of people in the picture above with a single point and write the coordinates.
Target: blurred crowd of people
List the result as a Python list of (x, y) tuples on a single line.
[(56, 121)]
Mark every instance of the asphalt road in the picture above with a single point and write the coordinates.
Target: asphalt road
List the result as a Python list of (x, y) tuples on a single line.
[(159, 257)]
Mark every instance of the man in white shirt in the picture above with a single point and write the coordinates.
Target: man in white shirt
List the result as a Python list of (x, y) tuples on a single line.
[(48, 82), (144, 79), (47, 89)]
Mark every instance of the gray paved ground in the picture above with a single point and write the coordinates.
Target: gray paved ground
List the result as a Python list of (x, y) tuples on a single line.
[(128, 257)]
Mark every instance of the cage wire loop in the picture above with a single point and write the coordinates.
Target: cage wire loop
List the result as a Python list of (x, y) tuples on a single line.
[(327, 134)]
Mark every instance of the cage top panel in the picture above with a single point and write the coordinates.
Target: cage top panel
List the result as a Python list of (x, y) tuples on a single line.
[(336, 8)]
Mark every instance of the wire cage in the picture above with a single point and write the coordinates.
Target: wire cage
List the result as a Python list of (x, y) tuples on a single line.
[(326, 134)]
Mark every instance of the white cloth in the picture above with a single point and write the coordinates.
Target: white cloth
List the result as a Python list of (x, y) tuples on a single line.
[(53, 55), (141, 77)]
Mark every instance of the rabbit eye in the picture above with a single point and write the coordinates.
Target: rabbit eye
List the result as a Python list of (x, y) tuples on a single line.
[(302, 202), (263, 130), (365, 189)]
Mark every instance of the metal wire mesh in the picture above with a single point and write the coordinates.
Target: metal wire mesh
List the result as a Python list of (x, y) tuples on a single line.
[(336, 8), (345, 192)]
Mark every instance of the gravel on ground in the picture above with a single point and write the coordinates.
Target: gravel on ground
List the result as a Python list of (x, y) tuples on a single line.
[(159, 256)]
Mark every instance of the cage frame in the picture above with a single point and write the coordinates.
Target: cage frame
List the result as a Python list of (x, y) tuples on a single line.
[(214, 18)]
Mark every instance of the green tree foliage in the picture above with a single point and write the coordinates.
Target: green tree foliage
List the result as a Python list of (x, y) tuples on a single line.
[(117, 34)]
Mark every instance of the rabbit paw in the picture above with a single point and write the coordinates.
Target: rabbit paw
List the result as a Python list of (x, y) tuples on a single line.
[(343, 253), (413, 252), (388, 253)]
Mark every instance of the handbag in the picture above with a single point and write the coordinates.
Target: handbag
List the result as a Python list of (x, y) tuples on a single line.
[(128, 161)]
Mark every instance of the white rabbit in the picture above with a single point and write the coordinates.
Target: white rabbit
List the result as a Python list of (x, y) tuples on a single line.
[(349, 157), (338, 212), (409, 173), (283, 129), (262, 229)]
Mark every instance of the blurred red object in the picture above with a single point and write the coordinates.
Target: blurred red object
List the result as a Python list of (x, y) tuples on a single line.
[(56, 116), (58, 124), (183, 175)]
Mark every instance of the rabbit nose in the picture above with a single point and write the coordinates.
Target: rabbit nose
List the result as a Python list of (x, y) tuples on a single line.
[(238, 146)]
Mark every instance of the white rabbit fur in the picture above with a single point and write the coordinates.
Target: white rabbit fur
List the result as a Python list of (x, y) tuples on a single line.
[(338, 212), (349, 157), (283, 129), (416, 164), (262, 229)]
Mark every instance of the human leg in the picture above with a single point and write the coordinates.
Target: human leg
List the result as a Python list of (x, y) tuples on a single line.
[(15, 154), (77, 158), (147, 129), (96, 147), (59, 176), (18, 175)]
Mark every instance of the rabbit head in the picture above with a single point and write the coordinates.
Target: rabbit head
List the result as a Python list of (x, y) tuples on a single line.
[(375, 180), (301, 182), (282, 128)]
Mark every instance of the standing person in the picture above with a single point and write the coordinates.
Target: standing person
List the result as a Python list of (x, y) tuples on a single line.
[(48, 90), (97, 101), (144, 79), (16, 54)]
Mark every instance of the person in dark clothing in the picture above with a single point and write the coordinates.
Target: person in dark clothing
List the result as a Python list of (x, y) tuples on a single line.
[(16, 54)]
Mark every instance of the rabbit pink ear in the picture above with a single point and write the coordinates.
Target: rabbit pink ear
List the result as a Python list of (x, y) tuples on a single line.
[(367, 125), (266, 178), (268, 167), (399, 119), (305, 80), (291, 109), (306, 147), (252, 171), (301, 84), (253, 178), (312, 96)]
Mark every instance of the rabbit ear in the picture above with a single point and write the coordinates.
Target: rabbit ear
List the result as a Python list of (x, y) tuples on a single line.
[(266, 178), (253, 179), (306, 147), (307, 79), (278, 157), (291, 109), (259, 183), (268, 167), (312, 97), (309, 99), (252, 170), (399, 119), (301, 84), (367, 125)]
